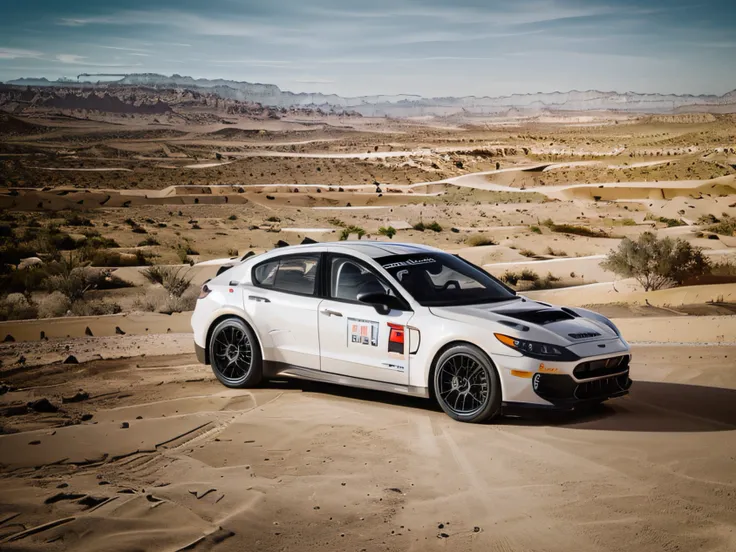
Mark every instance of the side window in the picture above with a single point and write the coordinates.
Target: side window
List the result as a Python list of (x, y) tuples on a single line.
[(293, 274), (348, 279), (265, 274)]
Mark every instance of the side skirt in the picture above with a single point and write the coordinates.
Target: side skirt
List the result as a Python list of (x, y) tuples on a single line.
[(274, 369)]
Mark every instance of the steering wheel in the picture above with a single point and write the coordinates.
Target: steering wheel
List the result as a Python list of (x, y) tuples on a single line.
[(449, 283)]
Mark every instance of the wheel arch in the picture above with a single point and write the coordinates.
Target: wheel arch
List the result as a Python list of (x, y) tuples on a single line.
[(449, 345)]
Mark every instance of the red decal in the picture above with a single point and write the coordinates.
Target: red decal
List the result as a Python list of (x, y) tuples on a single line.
[(396, 338)]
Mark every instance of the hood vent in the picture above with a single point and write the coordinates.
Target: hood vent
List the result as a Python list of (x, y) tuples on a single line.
[(584, 335), (542, 316)]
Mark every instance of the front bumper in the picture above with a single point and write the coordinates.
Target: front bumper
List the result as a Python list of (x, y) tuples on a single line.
[(566, 385), (563, 391)]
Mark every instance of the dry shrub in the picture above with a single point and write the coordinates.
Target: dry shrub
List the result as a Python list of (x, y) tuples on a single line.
[(94, 308), (16, 306), (165, 303), (54, 305), (171, 278), (478, 240)]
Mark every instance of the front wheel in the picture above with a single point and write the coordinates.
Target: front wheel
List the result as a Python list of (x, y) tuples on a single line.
[(234, 354), (466, 385)]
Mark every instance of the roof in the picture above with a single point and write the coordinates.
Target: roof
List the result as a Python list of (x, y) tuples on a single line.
[(373, 249)]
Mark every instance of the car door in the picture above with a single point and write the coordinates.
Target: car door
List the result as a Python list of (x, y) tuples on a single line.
[(355, 340), (283, 301)]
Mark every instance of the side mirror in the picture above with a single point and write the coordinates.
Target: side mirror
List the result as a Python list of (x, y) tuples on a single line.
[(382, 302)]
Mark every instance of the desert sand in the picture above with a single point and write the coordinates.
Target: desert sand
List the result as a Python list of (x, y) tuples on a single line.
[(152, 453), (112, 437)]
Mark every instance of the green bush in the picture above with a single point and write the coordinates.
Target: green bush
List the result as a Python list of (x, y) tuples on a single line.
[(434, 226), (657, 263), (389, 231), (345, 234), (536, 229)]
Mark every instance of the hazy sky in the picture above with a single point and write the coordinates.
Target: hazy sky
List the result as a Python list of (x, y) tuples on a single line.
[(428, 47)]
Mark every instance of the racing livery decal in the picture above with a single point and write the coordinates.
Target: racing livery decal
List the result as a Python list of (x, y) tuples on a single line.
[(363, 332), (396, 339)]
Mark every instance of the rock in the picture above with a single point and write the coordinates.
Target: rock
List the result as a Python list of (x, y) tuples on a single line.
[(79, 397), (21, 360), (71, 359), (124, 425), (4, 389), (43, 336), (441, 526), (42, 405), (62, 485), (88, 332), (86, 417), (476, 529), (36, 442), (282, 243), (9, 339), (443, 536), (118, 331), (28, 262)]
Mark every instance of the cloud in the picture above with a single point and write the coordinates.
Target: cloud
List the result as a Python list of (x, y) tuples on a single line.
[(313, 81), (16, 53), (81, 22), (69, 58), (123, 49), (73, 59)]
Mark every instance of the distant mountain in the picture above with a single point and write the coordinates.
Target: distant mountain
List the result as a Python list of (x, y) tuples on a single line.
[(404, 105)]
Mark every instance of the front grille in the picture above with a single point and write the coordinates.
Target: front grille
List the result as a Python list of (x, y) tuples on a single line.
[(562, 390), (602, 387), (602, 367), (584, 335)]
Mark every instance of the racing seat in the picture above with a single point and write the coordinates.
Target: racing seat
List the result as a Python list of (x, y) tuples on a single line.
[(418, 283), (352, 281)]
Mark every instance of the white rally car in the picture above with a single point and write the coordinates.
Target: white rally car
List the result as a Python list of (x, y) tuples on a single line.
[(407, 319)]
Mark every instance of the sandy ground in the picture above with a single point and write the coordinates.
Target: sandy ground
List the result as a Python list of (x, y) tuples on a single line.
[(152, 453), (137, 447)]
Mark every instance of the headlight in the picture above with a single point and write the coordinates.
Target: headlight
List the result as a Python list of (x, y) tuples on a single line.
[(534, 349)]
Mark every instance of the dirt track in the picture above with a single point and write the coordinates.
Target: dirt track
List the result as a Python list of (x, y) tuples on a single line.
[(295, 466)]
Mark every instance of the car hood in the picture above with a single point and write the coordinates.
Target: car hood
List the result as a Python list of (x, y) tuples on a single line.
[(534, 321)]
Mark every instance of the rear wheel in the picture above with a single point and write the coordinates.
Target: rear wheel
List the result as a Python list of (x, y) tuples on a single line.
[(466, 385), (234, 354)]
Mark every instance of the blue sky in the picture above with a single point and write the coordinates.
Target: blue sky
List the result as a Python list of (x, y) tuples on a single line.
[(428, 47)]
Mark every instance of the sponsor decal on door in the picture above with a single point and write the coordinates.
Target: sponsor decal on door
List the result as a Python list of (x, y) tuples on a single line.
[(362, 332), (396, 339)]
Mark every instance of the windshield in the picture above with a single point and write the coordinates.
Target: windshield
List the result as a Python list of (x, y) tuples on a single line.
[(443, 280)]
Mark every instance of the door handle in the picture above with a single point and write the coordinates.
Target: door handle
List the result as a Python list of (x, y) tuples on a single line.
[(259, 299), (329, 312)]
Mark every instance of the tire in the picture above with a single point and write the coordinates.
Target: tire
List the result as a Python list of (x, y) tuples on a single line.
[(466, 384), (235, 356)]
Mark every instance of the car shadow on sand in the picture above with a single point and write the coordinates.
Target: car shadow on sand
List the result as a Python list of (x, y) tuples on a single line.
[(650, 407)]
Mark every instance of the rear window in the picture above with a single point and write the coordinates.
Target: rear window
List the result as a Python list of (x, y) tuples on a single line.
[(293, 274)]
